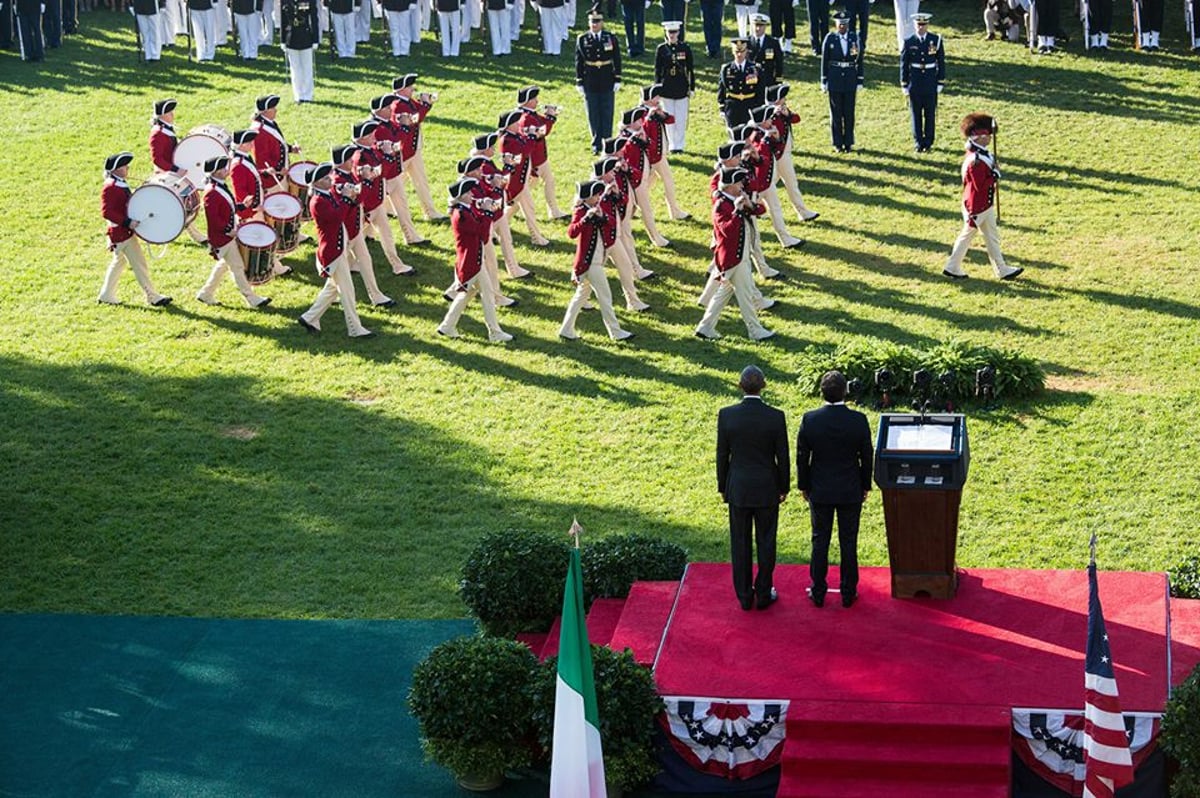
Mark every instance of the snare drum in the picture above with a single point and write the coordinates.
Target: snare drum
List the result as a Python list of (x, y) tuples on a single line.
[(206, 141), (256, 242), (297, 184), (283, 214), (163, 206)]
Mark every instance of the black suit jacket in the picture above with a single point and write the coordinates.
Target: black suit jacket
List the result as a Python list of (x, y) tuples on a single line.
[(753, 464), (834, 455)]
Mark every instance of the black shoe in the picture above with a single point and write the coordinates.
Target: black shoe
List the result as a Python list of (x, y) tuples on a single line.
[(798, 243), (704, 337), (748, 602), (818, 599), (849, 599), (1013, 275), (161, 302), (306, 325), (389, 303), (768, 600), (954, 276)]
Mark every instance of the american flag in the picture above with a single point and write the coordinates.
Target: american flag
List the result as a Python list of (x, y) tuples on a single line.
[(1105, 742)]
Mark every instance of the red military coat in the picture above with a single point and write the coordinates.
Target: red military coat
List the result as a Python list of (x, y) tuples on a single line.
[(352, 219), (114, 207), (979, 180), (730, 232), (329, 213), (470, 229), (247, 185), (763, 174), (633, 152), (588, 233), (783, 123), (219, 213), (518, 173), (410, 105), (530, 118), (372, 188), (162, 146), (270, 151), (388, 130), (621, 201), (654, 126)]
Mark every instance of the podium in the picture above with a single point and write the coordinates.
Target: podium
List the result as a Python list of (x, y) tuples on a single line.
[(920, 467)]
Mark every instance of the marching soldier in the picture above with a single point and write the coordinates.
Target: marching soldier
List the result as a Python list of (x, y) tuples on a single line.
[(393, 139), (634, 149), (471, 228), (594, 227), (271, 149), (351, 182), (410, 110), (220, 212), (163, 141), (654, 126), (620, 247), (675, 71), (122, 243), (484, 146), (783, 119), (598, 76), (299, 32), (375, 163), (740, 87), (341, 18), (247, 16), (766, 52), (841, 79), (762, 150), (516, 152), (922, 77), (489, 196), (329, 208), (540, 124), (248, 186), (150, 28), (980, 183), (204, 26)]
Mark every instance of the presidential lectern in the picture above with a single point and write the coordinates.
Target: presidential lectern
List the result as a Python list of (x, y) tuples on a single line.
[(921, 467)]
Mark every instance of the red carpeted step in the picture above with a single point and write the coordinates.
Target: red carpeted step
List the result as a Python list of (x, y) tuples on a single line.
[(1185, 638), (602, 619), (882, 788), (644, 619)]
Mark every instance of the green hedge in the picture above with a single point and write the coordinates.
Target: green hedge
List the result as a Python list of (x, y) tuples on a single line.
[(1017, 376), (611, 565), (1181, 735), (1185, 578)]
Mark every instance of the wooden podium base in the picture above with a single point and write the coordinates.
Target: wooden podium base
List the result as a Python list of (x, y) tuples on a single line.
[(922, 535), (938, 586)]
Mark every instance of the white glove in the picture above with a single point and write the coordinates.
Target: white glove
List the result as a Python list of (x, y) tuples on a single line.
[(691, 94), (43, 8), (824, 88), (580, 90), (939, 89), (858, 87), (905, 90), (647, 3), (616, 87)]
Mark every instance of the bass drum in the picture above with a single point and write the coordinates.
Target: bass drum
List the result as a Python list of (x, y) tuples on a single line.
[(195, 148), (256, 242), (163, 206), (283, 214), (297, 184)]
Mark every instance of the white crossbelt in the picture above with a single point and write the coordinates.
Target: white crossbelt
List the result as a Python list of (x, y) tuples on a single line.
[(924, 66)]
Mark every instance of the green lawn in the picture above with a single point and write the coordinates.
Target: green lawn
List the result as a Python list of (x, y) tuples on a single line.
[(219, 461)]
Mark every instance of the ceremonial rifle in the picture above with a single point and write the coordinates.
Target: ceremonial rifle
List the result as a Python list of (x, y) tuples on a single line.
[(1137, 24), (1033, 24), (137, 34), (996, 160), (1189, 21), (1085, 13)]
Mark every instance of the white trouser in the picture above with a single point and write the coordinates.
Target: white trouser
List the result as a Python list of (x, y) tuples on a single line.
[(625, 234), (904, 23), (360, 261), (770, 198), (677, 130), (229, 259), (400, 30), (592, 281), (464, 295), (344, 35), (626, 274), (362, 22), (756, 255), (204, 28), (518, 19), (785, 173), (224, 21), (662, 169), (394, 188), (322, 24), (569, 7), (249, 28), (743, 19), (546, 175), (450, 26), (642, 197), (500, 30), (300, 64), (491, 273), (414, 170), (739, 282), (166, 25), (524, 201), (338, 285), (414, 23), (554, 25), (470, 18), (378, 219), (504, 233), (267, 35), (128, 251), (984, 223), (150, 27)]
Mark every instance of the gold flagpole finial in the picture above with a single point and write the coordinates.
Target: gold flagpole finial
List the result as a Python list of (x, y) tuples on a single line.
[(575, 531), (1092, 545)]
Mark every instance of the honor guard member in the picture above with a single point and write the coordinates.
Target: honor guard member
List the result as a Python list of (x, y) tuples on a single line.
[(731, 255), (860, 13), (783, 22), (122, 243), (766, 52), (353, 180), (299, 31), (271, 149), (329, 208), (818, 23), (906, 12), (740, 87), (762, 150), (621, 249), (248, 186), (711, 12), (1098, 24), (598, 76), (388, 135), (28, 24), (675, 71), (220, 212), (654, 126), (516, 149), (922, 77), (980, 179), (634, 147), (470, 229), (449, 15), (841, 79), (745, 11), (552, 16), (634, 14), (247, 16), (484, 145), (341, 19), (784, 118), (593, 227), (203, 14), (1049, 24), (499, 16), (382, 161), (416, 106), (489, 196), (1150, 17), (163, 141), (540, 124), (400, 15), (150, 28)]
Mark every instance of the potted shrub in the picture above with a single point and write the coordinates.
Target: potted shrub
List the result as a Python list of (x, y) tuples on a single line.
[(512, 581), (471, 698), (611, 565), (627, 703), (1180, 735)]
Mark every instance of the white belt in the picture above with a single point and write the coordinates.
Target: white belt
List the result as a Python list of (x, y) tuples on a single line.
[(843, 64), (924, 66)]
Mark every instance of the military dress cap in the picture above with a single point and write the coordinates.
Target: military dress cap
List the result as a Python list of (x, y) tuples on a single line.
[(603, 166), (528, 93), (404, 81), (738, 45), (114, 162), (594, 14), (363, 129), (759, 19), (339, 155), (633, 116), (164, 106), (735, 175), (460, 187), (841, 17), (319, 172), (382, 101), (266, 102), (216, 164), (485, 141), (471, 163), (650, 92), (590, 188), (730, 150), (922, 18), (777, 92), (672, 25), (761, 114), (244, 136), (977, 123), (509, 118)]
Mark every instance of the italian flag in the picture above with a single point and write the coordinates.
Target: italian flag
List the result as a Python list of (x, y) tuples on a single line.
[(576, 765)]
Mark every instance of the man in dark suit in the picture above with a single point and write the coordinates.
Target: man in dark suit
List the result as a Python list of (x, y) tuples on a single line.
[(753, 472), (833, 472)]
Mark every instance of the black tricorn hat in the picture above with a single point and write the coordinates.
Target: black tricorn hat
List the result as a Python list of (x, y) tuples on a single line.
[(739, 132), (633, 115), (216, 164), (404, 81), (730, 149), (114, 162), (164, 106), (735, 175), (319, 172), (471, 163), (485, 141), (777, 92), (612, 145), (508, 118), (589, 188), (382, 101), (604, 166), (339, 155), (650, 92), (244, 136), (364, 128), (528, 93), (266, 102), (462, 186), (761, 114)]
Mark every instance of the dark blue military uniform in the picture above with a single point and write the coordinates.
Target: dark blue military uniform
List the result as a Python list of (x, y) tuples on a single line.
[(29, 29), (841, 75), (923, 73), (740, 89), (597, 71), (768, 54), (675, 70)]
